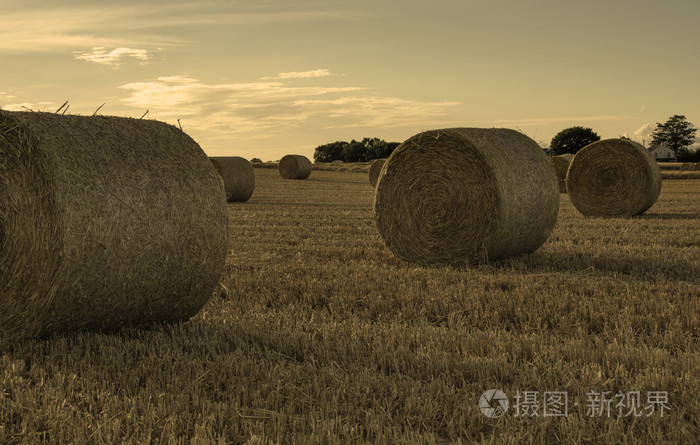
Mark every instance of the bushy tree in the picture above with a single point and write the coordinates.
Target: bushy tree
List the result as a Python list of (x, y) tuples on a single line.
[(354, 151), (572, 139), (329, 152), (677, 133)]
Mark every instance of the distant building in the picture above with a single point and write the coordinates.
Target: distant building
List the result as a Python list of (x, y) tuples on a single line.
[(662, 153)]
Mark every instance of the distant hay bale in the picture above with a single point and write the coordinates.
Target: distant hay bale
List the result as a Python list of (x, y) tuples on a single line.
[(106, 222), (374, 169), (238, 176), (696, 166), (687, 166), (295, 167), (464, 195), (338, 161), (613, 177), (561, 165)]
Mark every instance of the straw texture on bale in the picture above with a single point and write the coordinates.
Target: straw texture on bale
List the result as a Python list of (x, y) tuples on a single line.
[(464, 195), (107, 222), (375, 168), (687, 166), (238, 176), (295, 167), (613, 177), (561, 165)]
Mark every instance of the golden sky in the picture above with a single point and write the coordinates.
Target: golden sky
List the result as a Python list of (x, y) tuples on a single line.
[(264, 78)]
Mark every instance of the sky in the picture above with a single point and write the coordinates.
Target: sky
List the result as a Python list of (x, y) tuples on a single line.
[(265, 78)]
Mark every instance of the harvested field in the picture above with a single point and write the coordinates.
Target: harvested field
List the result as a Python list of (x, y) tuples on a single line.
[(318, 334)]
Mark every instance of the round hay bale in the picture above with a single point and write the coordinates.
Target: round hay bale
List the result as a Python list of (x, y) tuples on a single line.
[(338, 161), (107, 222), (613, 177), (375, 168), (294, 167), (463, 195), (687, 166), (561, 165), (238, 176)]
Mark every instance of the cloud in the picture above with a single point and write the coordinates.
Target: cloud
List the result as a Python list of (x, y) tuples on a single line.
[(37, 28), (113, 58), (28, 106), (643, 133), (301, 75), (262, 109), (554, 120)]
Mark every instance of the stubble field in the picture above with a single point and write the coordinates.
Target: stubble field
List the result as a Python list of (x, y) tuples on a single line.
[(318, 334)]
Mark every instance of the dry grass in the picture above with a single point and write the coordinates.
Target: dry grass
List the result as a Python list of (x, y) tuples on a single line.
[(375, 168), (294, 167), (665, 174), (670, 165), (465, 195), (319, 334), (613, 177), (109, 222), (238, 176), (561, 166)]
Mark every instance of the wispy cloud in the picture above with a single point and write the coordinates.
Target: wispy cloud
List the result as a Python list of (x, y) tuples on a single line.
[(265, 108), (300, 74), (43, 29), (113, 58), (554, 120), (29, 106), (644, 132)]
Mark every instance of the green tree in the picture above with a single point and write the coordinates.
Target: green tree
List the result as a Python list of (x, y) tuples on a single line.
[(572, 139), (677, 133), (329, 152), (354, 152)]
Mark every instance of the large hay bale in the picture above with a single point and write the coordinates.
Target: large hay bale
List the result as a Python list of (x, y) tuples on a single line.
[(375, 168), (295, 167), (106, 222), (687, 166), (613, 177), (463, 195), (561, 165), (238, 176)]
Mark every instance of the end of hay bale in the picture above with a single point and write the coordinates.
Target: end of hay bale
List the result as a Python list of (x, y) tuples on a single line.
[(375, 168), (294, 167), (463, 195), (238, 176), (613, 177), (108, 222)]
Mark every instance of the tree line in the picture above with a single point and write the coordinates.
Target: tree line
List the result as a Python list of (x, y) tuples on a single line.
[(354, 151), (677, 133)]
